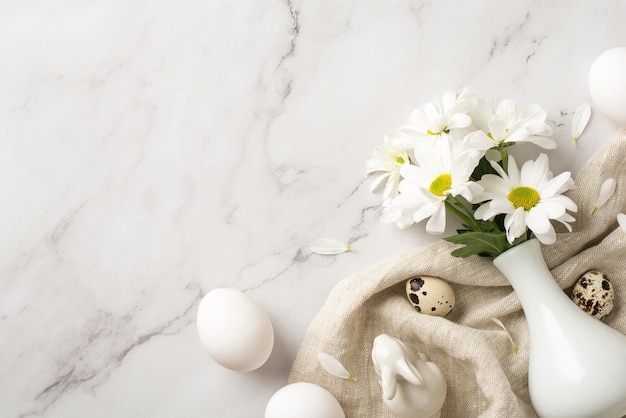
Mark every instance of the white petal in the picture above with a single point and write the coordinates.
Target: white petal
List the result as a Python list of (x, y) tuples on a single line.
[(542, 141), (621, 220), (426, 210), (420, 120), (515, 224), (555, 185), (468, 190), (537, 221), (536, 174), (447, 100), (334, 367), (328, 246), (431, 112), (405, 141), (501, 325), (551, 208), (391, 189), (493, 186), (437, 222), (493, 155), (485, 212), (535, 120), (546, 131), (606, 191), (495, 207), (514, 174), (565, 219), (502, 205), (505, 111), (501, 172), (518, 135), (391, 214), (547, 238), (497, 128), (459, 120), (479, 140), (580, 120), (567, 186), (378, 181)]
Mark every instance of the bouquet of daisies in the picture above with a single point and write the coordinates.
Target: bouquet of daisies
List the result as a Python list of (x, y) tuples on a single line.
[(452, 157)]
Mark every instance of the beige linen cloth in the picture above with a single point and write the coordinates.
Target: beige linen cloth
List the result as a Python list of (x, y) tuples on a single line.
[(485, 378)]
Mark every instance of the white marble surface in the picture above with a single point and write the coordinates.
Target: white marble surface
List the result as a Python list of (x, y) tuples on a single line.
[(153, 151)]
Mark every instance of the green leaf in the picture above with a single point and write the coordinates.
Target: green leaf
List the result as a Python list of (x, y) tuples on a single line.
[(499, 222), (484, 244), (483, 167)]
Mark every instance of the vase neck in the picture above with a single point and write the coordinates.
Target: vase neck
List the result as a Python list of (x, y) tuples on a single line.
[(519, 259), (526, 270)]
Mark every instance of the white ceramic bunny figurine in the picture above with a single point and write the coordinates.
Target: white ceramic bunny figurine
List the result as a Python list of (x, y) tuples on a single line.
[(413, 386)]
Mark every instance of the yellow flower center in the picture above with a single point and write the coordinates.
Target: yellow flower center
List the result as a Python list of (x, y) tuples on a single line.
[(445, 130), (499, 140), (440, 185), (400, 160), (524, 197)]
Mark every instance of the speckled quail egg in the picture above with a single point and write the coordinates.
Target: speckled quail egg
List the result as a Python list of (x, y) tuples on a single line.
[(430, 295), (594, 294)]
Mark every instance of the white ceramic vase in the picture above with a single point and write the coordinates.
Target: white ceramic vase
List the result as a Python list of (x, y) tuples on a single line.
[(577, 365)]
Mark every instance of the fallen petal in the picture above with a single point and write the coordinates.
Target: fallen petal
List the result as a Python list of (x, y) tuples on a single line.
[(580, 120), (328, 246), (334, 366), (621, 220), (606, 191), (501, 325)]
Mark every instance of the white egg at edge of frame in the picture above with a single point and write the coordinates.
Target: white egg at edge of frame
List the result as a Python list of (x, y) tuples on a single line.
[(607, 84), (234, 329), (303, 400)]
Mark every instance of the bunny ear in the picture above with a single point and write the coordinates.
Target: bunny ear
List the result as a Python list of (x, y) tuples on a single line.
[(422, 357), (388, 382), (410, 373)]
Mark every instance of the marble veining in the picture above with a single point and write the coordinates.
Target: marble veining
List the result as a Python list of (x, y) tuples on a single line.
[(153, 151)]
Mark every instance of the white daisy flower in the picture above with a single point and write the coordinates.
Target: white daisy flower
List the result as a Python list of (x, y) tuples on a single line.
[(387, 163), (443, 169), (529, 198), (448, 115), (503, 122)]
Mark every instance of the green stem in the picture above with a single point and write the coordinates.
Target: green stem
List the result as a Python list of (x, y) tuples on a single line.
[(505, 159), (468, 219), (460, 204)]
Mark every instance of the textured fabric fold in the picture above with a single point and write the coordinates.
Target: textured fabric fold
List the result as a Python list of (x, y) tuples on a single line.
[(485, 378)]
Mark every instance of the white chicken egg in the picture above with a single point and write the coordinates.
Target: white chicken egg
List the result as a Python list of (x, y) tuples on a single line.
[(303, 400), (235, 330), (607, 84)]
